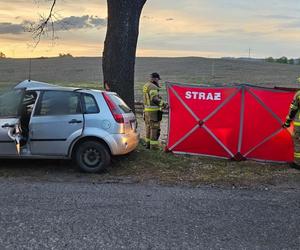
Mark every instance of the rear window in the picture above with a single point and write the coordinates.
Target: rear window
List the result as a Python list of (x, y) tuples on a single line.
[(123, 108)]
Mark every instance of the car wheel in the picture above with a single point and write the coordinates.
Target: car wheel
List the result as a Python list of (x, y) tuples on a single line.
[(92, 157)]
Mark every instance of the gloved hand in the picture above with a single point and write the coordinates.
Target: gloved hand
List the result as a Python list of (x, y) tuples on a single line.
[(287, 124), (164, 105)]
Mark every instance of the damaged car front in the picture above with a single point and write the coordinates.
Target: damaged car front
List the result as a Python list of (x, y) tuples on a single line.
[(10, 128)]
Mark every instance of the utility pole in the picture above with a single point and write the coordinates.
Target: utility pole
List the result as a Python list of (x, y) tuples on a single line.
[(249, 53)]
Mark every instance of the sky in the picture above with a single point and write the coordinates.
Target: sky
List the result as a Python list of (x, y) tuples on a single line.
[(169, 28)]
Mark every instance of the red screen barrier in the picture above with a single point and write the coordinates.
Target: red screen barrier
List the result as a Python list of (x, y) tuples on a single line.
[(241, 122)]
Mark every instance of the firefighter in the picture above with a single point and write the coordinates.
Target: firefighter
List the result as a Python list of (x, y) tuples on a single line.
[(294, 115), (153, 105)]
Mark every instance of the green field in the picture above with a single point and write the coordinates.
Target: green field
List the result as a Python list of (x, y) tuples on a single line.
[(87, 72)]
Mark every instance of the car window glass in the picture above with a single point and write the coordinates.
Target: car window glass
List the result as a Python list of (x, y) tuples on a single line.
[(59, 103), (91, 106), (9, 103), (123, 108)]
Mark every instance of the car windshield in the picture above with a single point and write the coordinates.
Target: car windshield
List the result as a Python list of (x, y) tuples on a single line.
[(9, 103)]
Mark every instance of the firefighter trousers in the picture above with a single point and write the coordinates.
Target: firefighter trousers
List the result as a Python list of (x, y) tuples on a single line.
[(152, 130), (296, 138)]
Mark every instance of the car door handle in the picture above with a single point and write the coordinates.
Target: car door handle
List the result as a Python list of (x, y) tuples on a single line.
[(6, 125), (75, 121)]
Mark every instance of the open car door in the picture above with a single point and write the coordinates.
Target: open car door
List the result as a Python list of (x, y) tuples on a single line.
[(58, 120), (9, 122)]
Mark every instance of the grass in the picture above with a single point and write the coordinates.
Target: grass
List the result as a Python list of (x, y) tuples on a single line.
[(88, 85), (91, 85), (166, 168), (4, 86), (145, 166)]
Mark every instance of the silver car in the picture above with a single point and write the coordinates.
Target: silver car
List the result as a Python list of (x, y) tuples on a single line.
[(39, 120)]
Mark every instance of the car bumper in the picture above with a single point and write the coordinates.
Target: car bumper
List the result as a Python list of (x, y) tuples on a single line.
[(124, 143)]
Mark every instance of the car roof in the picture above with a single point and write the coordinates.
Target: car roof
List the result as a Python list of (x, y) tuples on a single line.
[(31, 85), (28, 84)]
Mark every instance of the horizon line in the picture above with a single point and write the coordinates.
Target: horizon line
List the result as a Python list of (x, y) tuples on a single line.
[(62, 57)]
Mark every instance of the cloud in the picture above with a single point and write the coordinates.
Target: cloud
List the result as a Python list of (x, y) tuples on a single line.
[(80, 22), (281, 17), (148, 17), (67, 23), (11, 28), (291, 25), (98, 22), (240, 32)]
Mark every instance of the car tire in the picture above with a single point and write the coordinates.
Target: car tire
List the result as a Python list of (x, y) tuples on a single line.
[(92, 157)]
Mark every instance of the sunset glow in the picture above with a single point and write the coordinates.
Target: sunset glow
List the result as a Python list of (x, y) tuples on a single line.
[(169, 28)]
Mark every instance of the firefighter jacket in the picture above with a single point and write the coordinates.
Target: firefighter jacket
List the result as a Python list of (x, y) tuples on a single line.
[(294, 111), (152, 100)]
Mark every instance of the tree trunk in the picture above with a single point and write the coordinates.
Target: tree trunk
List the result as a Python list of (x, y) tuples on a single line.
[(120, 47)]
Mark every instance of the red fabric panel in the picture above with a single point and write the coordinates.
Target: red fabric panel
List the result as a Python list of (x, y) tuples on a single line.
[(277, 101), (258, 122), (200, 142), (181, 121), (226, 123), (200, 100), (278, 149)]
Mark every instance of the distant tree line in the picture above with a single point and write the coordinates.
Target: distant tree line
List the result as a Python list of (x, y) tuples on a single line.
[(2, 55), (64, 55), (60, 55), (283, 60)]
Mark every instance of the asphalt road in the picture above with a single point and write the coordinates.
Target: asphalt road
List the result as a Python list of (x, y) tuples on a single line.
[(73, 215)]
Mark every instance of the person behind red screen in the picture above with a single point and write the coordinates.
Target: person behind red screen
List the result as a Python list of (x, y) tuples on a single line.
[(294, 115), (106, 86)]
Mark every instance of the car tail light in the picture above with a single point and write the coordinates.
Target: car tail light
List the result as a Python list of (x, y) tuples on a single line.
[(113, 109)]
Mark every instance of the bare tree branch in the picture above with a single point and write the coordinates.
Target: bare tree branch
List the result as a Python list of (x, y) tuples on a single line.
[(42, 27)]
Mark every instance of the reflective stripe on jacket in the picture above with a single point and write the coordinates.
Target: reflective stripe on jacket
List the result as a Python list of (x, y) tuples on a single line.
[(152, 108)]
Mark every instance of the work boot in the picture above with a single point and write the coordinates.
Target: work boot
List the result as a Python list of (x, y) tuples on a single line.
[(154, 148), (154, 145), (294, 165), (146, 143)]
